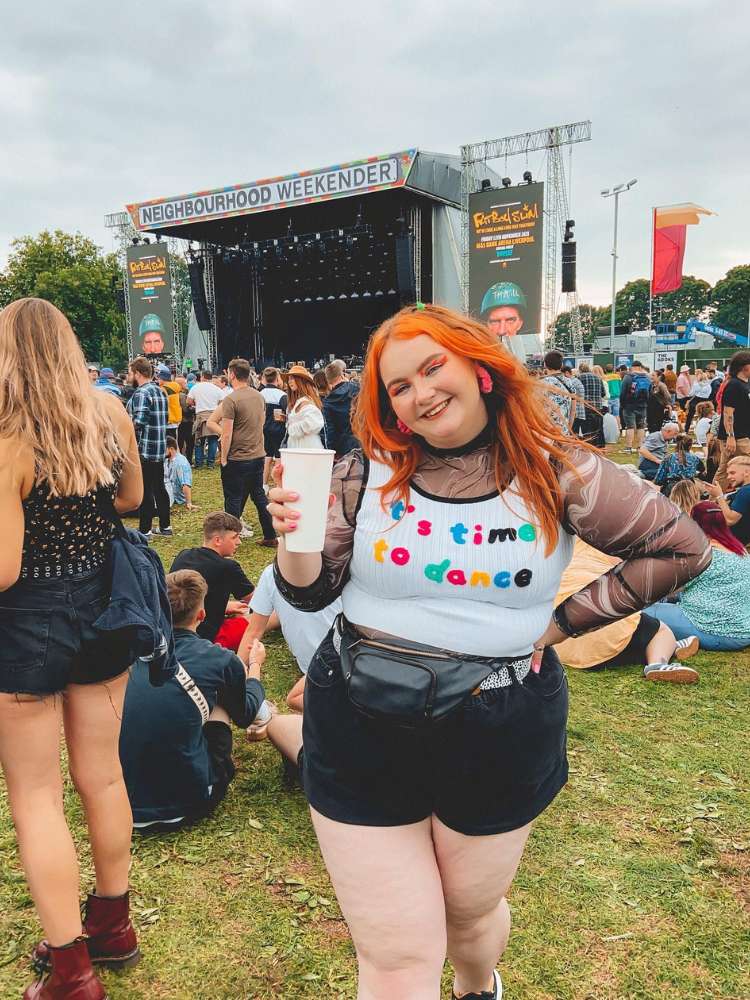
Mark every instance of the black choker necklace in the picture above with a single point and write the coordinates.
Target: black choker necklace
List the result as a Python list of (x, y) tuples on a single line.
[(483, 438)]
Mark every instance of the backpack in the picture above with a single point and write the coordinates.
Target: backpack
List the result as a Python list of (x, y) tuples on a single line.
[(640, 387), (138, 613), (174, 407)]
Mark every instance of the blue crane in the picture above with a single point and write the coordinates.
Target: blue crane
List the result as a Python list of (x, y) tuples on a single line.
[(679, 334)]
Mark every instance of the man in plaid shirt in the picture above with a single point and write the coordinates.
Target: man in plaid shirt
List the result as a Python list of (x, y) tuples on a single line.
[(148, 411), (594, 391), (579, 420)]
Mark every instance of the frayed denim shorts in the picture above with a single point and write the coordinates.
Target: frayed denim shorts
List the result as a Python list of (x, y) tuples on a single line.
[(47, 639)]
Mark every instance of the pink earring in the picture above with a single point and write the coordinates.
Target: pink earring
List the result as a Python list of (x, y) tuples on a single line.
[(485, 380), (403, 428)]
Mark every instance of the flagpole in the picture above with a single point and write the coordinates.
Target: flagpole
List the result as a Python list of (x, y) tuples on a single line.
[(651, 273)]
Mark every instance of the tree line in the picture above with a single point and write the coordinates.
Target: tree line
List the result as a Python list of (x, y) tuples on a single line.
[(725, 304), (74, 274)]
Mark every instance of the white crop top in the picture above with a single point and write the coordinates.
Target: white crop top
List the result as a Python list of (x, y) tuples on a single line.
[(468, 575)]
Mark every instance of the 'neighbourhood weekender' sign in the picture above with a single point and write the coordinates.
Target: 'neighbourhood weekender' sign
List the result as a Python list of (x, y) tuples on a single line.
[(376, 173)]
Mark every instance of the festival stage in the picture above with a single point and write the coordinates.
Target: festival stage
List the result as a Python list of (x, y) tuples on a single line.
[(300, 267)]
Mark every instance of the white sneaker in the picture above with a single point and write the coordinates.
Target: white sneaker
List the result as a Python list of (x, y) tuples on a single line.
[(496, 994), (247, 531), (687, 647), (676, 673)]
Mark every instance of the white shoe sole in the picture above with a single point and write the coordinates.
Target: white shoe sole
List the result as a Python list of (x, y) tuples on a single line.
[(677, 674), (685, 652)]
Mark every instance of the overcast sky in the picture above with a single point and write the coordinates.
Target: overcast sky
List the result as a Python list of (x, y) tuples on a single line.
[(105, 104)]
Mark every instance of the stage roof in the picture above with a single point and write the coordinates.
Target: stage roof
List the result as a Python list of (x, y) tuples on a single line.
[(433, 175)]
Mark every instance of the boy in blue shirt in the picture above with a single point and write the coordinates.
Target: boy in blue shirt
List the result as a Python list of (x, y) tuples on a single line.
[(178, 476), (176, 740)]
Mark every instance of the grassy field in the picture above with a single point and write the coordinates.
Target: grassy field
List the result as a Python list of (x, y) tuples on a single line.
[(635, 884)]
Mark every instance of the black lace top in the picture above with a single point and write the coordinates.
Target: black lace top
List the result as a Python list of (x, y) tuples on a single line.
[(64, 536)]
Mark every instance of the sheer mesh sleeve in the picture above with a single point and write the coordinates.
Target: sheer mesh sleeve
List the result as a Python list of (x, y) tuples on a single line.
[(618, 513), (347, 483)]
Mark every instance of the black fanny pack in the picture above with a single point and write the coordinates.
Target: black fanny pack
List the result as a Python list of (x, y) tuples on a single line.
[(402, 683)]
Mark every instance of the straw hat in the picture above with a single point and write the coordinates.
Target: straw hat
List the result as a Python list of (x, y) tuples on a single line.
[(299, 370)]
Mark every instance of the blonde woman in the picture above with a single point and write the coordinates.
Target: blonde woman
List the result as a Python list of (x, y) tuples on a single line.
[(62, 445), (598, 370), (304, 420), (699, 392), (686, 494)]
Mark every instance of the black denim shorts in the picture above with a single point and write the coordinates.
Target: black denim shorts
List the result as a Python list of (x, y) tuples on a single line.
[(272, 441), (492, 766), (46, 636)]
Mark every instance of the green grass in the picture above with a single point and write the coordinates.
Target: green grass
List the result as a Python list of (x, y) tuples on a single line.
[(635, 884)]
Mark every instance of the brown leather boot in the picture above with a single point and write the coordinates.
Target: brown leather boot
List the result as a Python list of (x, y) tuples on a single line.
[(110, 935), (72, 976)]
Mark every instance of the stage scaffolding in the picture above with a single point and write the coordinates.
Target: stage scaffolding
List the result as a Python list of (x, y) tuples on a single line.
[(207, 257), (475, 155)]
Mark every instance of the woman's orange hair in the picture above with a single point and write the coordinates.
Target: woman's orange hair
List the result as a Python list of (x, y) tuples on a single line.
[(526, 438)]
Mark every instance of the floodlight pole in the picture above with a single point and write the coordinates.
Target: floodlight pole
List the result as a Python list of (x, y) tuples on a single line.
[(615, 193), (614, 281)]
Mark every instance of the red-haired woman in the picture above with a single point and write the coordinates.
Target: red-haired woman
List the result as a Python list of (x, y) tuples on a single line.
[(725, 585), (447, 539)]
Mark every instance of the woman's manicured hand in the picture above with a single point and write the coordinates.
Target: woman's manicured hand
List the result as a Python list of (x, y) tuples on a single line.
[(552, 635), (285, 517)]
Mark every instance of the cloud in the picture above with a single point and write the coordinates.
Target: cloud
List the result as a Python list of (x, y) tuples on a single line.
[(115, 103)]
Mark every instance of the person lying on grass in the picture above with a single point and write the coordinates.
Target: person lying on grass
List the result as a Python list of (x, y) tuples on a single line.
[(638, 640), (713, 607)]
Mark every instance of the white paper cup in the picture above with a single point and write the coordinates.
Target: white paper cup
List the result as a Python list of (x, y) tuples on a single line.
[(307, 471), (278, 414)]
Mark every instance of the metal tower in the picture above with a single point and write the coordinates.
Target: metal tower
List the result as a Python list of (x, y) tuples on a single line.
[(551, 140), (556, 212)]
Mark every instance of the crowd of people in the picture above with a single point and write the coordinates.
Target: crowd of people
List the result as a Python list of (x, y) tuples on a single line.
[(238, 418), (478, 539), (711, 484)]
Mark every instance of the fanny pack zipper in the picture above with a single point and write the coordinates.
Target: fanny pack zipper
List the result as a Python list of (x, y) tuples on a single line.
[(400, 649)]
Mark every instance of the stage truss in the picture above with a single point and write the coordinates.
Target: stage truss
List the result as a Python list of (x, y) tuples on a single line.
[(124, 233), (556, 208)]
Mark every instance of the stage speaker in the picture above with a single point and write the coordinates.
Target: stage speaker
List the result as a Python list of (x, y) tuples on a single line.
[(120, 298), (198, 294), (406, 284), (569, 266)]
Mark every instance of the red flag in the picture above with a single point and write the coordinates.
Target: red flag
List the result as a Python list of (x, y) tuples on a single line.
[(669, 251), (669, 227)]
